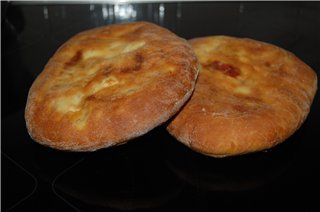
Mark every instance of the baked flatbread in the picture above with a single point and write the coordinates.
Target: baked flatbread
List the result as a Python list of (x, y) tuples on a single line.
[(108, 85), (249, 97)]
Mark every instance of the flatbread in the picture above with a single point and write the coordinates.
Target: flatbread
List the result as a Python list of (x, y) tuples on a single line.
[(249, 97), (110, 84)]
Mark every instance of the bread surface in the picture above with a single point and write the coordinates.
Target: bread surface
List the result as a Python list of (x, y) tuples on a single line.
[(249, 96), (110, 84)]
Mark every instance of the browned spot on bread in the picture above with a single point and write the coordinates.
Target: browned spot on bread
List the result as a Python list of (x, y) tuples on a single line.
[(91, 98), (106, 70), (226, 69), (74, 60), (252, 99), (139, 58), (255, 49), (135, 65), (240, 108), (268, 64)]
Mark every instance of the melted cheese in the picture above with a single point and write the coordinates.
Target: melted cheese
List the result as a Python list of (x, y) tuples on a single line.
[(72, 102), (89, 76), (85, 72), (104, 83), (68, 103), (243, 90), (133, 46), (114, 49)]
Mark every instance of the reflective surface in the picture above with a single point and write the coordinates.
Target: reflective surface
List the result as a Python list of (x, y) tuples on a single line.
[(154, 172)]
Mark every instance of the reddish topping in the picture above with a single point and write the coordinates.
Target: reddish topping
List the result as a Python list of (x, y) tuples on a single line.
[(224, 68)]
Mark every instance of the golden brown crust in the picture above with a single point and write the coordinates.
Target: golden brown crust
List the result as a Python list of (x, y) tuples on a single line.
[(249, 96), (110, 84)]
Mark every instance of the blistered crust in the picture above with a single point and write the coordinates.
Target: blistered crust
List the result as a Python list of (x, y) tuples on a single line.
[(107, 85), (249, 97)]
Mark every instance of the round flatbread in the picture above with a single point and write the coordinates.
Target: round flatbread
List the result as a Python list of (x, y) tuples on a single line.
[(107, 85), (249, 97)]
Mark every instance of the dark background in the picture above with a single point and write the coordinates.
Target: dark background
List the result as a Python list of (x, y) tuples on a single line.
[(155, 172)]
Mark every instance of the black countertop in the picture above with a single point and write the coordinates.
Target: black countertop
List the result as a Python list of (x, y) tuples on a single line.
[(154, 172)]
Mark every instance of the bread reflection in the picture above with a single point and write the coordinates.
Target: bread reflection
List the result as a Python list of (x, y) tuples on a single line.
[(128, 177), (239, 173)]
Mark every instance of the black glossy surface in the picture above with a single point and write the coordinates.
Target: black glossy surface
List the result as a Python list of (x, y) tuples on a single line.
[(154, 172)]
